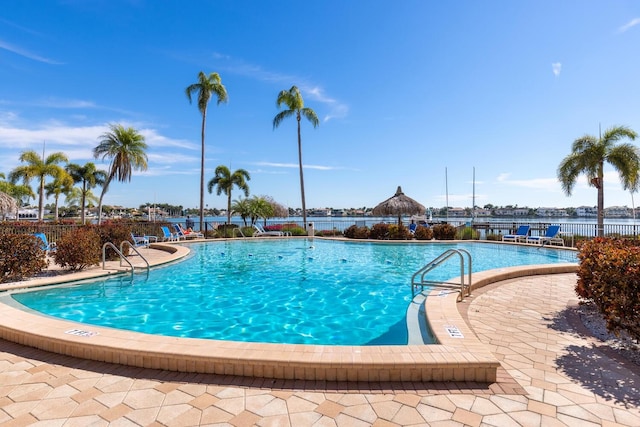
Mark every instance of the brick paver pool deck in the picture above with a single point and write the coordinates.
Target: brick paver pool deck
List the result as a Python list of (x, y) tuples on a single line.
[(552, 373)]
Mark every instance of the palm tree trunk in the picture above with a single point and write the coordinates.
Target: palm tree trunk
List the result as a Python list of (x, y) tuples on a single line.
[(204, 120), (304, 207), (41, 200), (83, 201), (229, 207), (600, 210)]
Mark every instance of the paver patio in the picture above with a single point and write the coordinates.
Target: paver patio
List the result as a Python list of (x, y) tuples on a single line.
[(553, 373)]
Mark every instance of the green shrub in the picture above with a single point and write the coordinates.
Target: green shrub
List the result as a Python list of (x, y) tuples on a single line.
[(294, 230), (444, 232), (468, 233), (355, 232), (227, 230), (329, 233), (423, 233), (399, 232), (20, 257), (78, 249), (379, 231), (114, 232), (608, 276), (494, 237)]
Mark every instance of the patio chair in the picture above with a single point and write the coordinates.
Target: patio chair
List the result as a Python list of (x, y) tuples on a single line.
[(551, 237), (167, 236), (412, 228), (142, 241), (186, 234), (260, 231), (519, 236), (44, 244)]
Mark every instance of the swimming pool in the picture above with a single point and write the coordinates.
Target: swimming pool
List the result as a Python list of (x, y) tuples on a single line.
[(280, 291)]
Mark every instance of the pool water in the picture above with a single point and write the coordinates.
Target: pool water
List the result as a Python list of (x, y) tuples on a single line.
[(295, 291)]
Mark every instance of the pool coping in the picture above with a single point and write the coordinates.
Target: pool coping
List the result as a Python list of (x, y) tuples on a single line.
[(458, 356)]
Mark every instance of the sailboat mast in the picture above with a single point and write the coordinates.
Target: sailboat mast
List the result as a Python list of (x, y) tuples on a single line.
[(473, 199), (446, 189)]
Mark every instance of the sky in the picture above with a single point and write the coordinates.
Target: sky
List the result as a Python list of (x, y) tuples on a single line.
[(418, 94)]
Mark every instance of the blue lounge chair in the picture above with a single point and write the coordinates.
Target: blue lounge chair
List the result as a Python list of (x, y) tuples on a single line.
[(520, 235), (168, 236), (260, 231), (44, 244), (412, 228), (550, 237)]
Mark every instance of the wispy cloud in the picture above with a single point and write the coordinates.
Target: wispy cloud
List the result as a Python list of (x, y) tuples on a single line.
[(337, 109), (556, 67), (64, 103), (295, 165), (26, 54), (629, 25)]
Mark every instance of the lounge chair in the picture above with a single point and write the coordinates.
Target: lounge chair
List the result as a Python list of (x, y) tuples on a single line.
[(260, 231), (412, 228), (551, 237), (142, 241), (167, 236), (186, 234), (519, 236), (44, 244)]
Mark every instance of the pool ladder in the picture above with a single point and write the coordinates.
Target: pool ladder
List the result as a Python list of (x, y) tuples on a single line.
[(419, 279), (120, 253)]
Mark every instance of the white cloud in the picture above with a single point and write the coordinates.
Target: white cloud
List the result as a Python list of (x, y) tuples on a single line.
[(26, 54), (294, 165), (629, 25), (556, 67)]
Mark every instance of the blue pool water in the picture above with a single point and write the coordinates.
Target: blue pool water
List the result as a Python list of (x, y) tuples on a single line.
[(277, 291)]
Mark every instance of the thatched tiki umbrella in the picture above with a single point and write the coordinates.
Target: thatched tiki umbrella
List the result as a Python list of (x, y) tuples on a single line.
[(7, 204), (399, 204)]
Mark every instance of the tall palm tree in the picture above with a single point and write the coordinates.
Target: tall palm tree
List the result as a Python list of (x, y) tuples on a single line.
[(89, 176), (205, 87), (125, 147), (224, 181), (60, 185), (588, 156), (292, 99), (37, 167)]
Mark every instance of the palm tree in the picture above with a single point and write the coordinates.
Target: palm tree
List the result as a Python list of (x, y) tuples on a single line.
[(75, 196), (205, 88), (261, 208), (242, 207), (125, 147), (40, 168), (224, 182), (89, 176), (60, 185), (292, 99), (588, 156)]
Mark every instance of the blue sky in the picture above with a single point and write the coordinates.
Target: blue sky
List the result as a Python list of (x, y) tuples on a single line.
[(404, 91)]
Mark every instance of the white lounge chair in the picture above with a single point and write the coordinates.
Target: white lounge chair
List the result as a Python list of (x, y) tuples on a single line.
[(550, 237), (520, 236), (260, 231)]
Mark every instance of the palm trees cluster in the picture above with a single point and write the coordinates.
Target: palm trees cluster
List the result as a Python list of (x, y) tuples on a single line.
[(123, 147), (208, 86)]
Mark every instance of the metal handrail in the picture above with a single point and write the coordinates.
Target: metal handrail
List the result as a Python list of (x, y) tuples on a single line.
[(119, 252), (233, 233), (135, 250), (422, 272)]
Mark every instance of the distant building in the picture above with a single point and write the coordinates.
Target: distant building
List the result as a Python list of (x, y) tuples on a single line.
[(511, 212), (551, 212), (586, 211), (618, 212)]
